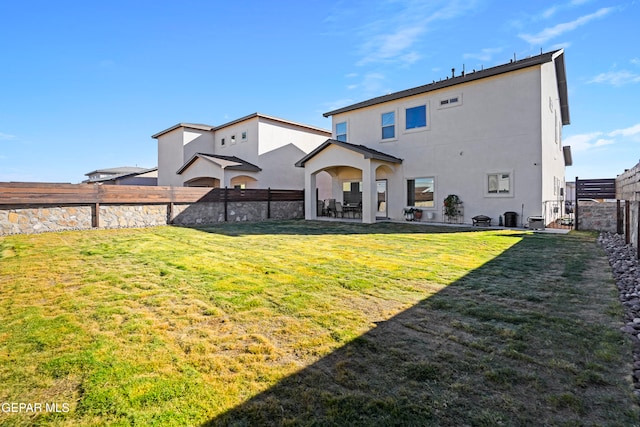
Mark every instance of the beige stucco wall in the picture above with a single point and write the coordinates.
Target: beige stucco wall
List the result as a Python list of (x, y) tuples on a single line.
[(170, 158), (244, 149), (553, 168), (272, 145), (495, 128), (202, 167), (175, 148)]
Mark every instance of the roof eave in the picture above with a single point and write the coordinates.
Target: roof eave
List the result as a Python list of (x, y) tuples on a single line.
[(366, 152), (466, 78), (182, 125), (568, 158), (561, 76)]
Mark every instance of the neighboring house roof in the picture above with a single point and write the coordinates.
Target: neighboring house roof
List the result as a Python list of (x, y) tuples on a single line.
[(183, 125), (225, 162), (117, 171), (558, 55), (140, 171), (368, 153), (241, 119)]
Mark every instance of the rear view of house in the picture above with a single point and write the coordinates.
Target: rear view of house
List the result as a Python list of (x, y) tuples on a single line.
[(255, 151), (491, 137)]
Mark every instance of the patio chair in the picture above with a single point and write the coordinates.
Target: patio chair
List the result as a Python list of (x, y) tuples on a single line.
[(339, 210), (331, 206)]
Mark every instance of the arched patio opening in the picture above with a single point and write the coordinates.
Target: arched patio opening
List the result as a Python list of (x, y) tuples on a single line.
[(203, 181), (339, 192), (243, 181)]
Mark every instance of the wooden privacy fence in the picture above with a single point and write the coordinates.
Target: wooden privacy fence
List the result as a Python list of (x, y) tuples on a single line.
[(25, 195), (593, 189), (628, 189)]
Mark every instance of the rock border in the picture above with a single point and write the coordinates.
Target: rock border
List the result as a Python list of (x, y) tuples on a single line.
[(626, 272)]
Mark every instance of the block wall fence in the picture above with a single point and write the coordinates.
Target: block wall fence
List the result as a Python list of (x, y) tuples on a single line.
[(35, 208)]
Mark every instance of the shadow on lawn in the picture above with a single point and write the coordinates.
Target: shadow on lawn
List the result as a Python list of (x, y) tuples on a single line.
[(304, 227), (477, 353)]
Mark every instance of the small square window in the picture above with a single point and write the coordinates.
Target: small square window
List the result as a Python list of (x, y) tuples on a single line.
[(416, 117), (499, 183), (420, 192), (233, 139)]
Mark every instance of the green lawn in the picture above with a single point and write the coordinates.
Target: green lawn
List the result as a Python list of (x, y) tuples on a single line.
[(295, 323)]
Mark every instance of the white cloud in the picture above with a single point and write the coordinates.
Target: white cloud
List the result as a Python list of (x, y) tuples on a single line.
[(6, 137), (338, 103), (485, 55), (394, 34), (582, 142), (388, 47), (550, 12), (616, 78), (559, 29), (589, 141), (627, 132)]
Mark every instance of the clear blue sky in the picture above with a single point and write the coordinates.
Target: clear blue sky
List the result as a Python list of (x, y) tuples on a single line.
[(84, 84)]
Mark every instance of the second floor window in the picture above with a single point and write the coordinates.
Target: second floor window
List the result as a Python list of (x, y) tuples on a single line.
[(388, 125), (341, 131), (416, 117)]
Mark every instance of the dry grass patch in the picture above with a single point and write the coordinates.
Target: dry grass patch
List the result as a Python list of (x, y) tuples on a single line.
[(288, 322)]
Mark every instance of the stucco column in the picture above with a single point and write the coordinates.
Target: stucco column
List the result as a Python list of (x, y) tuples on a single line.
[(310, 202), (369, 193)]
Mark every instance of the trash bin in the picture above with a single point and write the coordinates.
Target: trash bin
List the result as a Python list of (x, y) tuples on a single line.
[(510, 219)]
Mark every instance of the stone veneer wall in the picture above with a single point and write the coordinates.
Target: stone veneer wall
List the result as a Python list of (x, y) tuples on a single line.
[(125, 216), (212, 212), (41, 219), (597, 216), (23, 220)]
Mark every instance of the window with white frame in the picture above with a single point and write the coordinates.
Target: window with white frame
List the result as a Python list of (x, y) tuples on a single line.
[(243, 136), (416, 117), (420, 192), (451, 101), (499, 183), (223, 141), (233, 139), (341, 131), (389, 125)]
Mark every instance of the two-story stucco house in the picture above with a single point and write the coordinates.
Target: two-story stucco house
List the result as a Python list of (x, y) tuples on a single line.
[(255, 151), (492, 137)]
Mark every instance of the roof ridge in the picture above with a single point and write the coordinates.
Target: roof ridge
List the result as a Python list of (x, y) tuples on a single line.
[(462, 78)]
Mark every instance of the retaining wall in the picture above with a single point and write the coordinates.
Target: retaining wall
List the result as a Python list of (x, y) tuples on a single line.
[(23, 220), (597, 216)]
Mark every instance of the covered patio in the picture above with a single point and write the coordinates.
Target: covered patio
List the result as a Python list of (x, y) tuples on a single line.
[(360, 181)]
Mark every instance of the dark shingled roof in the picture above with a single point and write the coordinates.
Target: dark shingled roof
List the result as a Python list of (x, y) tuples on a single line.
[(369, 153), (558, 55), (241, 166)]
